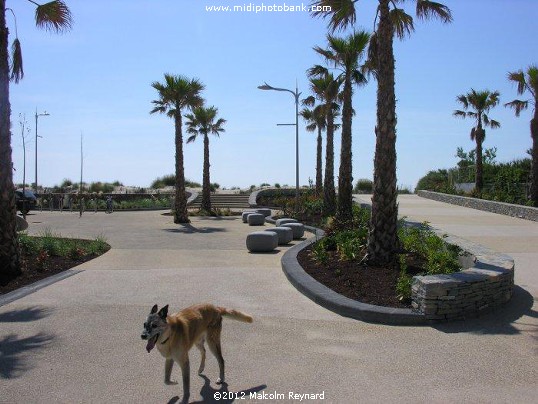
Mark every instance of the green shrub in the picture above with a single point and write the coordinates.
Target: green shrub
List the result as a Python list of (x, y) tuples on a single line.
[(29, 245), (363, 186)]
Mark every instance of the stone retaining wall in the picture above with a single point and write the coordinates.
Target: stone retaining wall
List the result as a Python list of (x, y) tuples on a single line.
[(523, 212), (468, 293)]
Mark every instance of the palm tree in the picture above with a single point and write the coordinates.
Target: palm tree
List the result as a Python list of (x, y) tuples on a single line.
[(176, 94), (203, 121), (481, 102), (54, 16), (391, 20), (316, 120), (528, 82), (344, 54), (326, 89)]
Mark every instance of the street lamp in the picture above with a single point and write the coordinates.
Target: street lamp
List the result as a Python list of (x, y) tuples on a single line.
[(296, 95), (45, 113)]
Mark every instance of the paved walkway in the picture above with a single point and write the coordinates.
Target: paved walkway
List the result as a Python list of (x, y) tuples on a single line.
[(78, 340)]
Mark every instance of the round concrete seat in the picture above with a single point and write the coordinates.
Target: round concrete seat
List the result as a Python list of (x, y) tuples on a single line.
[(245, 214), (264, 211), (262, 241), (285, 234), (280, 222), (297, 228), (255, 219)]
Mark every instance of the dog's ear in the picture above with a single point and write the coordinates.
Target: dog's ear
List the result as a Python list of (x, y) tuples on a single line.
[(163, 312), (154, 309)]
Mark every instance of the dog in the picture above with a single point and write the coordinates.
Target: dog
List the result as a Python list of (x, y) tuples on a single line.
[(174, 335)]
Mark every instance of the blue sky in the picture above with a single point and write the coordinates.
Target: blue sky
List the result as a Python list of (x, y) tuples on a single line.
[(96, 80)]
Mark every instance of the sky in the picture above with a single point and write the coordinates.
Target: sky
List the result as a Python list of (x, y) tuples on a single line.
[(95, 82)]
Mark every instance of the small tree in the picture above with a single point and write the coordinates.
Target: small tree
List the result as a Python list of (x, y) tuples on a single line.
[(481, 102), (528, 82)]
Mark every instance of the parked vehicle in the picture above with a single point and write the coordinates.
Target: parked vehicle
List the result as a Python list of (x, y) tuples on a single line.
[(26, 201)]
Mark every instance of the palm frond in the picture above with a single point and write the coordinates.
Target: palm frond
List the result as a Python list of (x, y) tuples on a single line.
[(309, 101), (17, 71), (317, 71), (326, 53), (462, 99), (341, 13), (427, 9), (518, 78), (402, 22), (473, 134), (517, 106), (459, 114), (53, 16), (494, 124)]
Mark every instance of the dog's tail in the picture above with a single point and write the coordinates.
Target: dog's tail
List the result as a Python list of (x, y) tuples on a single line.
[(234, 314)]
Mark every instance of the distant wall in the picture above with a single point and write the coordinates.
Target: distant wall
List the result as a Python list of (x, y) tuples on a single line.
[(520, 211)]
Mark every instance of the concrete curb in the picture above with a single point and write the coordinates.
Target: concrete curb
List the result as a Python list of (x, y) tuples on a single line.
[(34, 287), (335, 302)]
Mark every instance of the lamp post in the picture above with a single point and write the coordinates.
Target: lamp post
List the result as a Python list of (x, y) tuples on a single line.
[(296, 95), (45, 113)]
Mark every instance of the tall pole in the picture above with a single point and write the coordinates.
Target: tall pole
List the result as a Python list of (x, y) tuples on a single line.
[(36, 116), (296, 148), (296, 95), (36, 136)]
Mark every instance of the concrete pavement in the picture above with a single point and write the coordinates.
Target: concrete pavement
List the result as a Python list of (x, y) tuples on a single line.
[(78, 340)]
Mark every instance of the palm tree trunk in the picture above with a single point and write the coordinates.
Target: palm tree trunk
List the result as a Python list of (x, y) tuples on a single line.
[(206, 187), (180, 203), (9, 247), (329, 194), (344, 212), (319, 175), (479, 180), (383, 236), (534, 154)]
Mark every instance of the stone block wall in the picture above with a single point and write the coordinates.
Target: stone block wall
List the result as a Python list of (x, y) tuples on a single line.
[(469, 293)]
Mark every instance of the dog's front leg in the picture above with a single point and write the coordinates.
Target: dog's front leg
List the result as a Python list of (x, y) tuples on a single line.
[(168, 364), (186, 373)]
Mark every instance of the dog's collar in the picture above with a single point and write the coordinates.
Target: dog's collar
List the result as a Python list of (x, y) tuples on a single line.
[(166, 340)]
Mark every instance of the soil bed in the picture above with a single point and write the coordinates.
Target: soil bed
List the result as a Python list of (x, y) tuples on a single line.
[(366, 284), (34, 271)]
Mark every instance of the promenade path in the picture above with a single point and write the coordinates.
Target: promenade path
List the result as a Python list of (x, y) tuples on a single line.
[(78, 340)]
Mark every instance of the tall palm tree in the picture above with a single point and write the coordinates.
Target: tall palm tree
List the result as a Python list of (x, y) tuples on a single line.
[(528, 82), (204, 122), (481, 102), (391, 21), (54, 16), (326, 89), (316, 121), (177, 94), (345, 54)]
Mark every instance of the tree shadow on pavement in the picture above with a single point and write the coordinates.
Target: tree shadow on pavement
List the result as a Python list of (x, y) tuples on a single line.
[(24, 315), (14, 351), (222, 395), (501, 320), (15, 355), (188, 228)]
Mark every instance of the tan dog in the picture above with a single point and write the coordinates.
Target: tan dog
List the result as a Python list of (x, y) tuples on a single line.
[(175, 335)]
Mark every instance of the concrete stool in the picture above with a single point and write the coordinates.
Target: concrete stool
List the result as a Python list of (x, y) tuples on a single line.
[(244, 215), (256, 219), (280, 222), (264, 211), (262, 241), (297, 228), (285, 234)]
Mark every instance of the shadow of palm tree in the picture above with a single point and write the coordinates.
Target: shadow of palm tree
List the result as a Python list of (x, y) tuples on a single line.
[(14, 353), (24, 315), (501, 320), (224, 397), (188, 228)]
